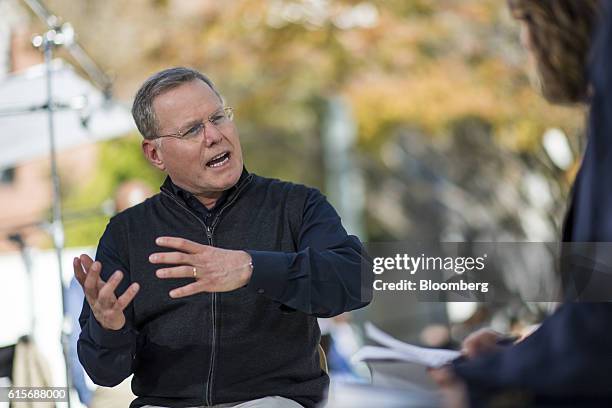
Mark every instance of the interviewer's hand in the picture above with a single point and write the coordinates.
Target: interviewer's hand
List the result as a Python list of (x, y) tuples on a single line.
[(216, 269), (106, 307), (480, 342)]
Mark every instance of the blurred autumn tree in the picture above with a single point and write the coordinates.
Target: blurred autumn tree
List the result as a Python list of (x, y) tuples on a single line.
[(420, 75)]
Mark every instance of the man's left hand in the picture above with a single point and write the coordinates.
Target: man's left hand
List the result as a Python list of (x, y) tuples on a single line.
[(214, 269)]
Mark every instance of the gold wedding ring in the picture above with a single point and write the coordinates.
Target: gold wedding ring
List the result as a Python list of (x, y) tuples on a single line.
[(195, 273)]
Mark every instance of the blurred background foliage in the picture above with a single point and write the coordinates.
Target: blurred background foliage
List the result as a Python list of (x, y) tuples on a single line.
[(449, 129), (119, 161), (452, 141)]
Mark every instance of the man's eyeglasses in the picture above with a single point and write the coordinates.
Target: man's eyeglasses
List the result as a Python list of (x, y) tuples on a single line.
[(219, 119)]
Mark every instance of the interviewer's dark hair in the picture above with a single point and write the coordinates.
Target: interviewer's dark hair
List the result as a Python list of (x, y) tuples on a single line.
[(142, 108), (561, 34)]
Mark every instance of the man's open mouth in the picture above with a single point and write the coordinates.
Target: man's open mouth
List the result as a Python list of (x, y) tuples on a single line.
[(219, 160)]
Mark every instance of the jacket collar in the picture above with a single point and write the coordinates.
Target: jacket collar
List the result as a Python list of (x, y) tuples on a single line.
[(168, 186)]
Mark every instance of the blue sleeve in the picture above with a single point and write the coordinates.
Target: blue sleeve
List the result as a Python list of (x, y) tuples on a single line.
[(326, 276), (568, 355), (107, 355), (74, 300)]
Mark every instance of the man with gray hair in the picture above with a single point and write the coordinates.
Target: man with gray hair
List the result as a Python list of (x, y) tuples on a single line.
[(208, 292)]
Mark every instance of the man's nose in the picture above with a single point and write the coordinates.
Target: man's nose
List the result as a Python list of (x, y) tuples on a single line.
[(212, 135)]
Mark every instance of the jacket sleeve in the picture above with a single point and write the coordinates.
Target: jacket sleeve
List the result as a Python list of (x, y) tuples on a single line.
[(107, 355), (569, 354), (327, 276)]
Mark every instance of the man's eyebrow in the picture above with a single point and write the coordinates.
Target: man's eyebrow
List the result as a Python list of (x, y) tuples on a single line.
[(189, 124), (218, 110)]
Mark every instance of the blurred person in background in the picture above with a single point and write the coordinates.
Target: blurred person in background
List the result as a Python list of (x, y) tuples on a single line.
[(340, 341), (567, 361), (209, 292)]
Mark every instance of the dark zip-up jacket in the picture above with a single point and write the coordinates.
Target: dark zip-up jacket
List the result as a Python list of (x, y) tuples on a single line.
[(256, 341)]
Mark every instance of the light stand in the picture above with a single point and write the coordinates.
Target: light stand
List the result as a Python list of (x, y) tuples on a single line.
[(61, 35), (47, 42)]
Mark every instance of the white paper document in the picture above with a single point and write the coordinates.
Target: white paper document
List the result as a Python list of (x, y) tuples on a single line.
[(399, 365), (397, 350)]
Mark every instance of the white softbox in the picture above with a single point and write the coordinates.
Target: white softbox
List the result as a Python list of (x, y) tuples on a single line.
[(82, 114)]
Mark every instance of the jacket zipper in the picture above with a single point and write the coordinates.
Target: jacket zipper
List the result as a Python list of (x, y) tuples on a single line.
[(209, 235), (208, 391)]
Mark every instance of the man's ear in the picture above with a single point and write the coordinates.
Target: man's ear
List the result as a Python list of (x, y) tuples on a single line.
[(151, 150)]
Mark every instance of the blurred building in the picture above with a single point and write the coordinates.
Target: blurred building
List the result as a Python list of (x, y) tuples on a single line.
[(25, 188)]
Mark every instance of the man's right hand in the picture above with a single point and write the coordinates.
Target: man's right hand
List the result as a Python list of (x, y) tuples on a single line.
[(106, 307)]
